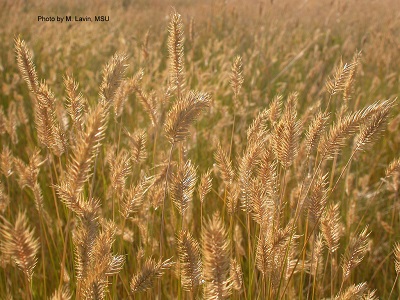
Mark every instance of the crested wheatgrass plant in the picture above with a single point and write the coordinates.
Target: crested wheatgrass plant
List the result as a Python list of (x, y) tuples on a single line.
[(225, 161)]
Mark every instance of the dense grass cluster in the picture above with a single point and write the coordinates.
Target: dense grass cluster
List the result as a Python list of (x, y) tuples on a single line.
[(226, 151)]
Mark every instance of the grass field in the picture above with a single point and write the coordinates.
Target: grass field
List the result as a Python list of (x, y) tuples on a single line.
[(200, 149)]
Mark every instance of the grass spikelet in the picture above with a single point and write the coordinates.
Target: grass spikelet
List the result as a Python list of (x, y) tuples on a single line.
[(355, 252), (215, 245), (182, 186), (237, 78), (316, 202), (232, 195), (84, 237), (262, 206), (147, 102), (185, 111), (342, 74), (330, 227), (331, 144), (287, 133), (121, 96), (257, 131), (274, 111), (353, 292), (236, 275), (315, 130), (6, 161), (246, 165), (190, 263), (26, 65), (62, 294), (133, 199), (396, 253), (137, 143), (394, 167), (19, 242), (75, 103), (49, 130), (4, 198), (28, 173), (176, 53), (205, 185), (316, 258), (371, 130), (85, 150), (3, 121), (150, 271), (224, 165), (102, 263), (349, 84), (113, 73), (120, 169)]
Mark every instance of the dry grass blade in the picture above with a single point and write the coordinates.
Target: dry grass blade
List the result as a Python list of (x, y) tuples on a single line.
[(189, 260), (176, 53), (150, 271), (185, 111), (216, 261), (182, 186), (19, 242)]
